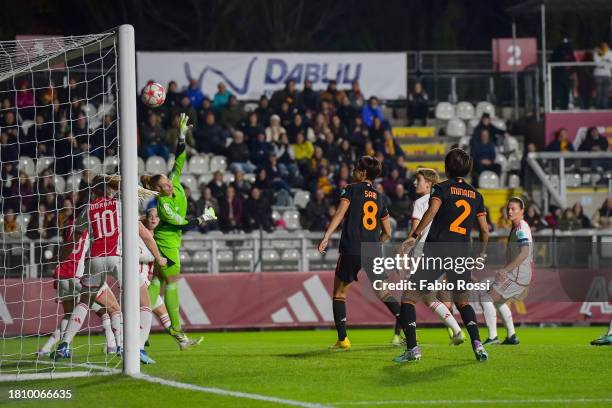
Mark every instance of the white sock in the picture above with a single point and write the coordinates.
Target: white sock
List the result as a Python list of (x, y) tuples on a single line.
[(610, 329), (490, 318), (76, 322), (116, 327), (165, 321), (56, 336), (108, 331), (445, 316), (145, 324), (506, 315)]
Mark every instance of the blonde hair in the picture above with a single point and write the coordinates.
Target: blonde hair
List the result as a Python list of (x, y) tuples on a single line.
[(150, 182), (428, 174)]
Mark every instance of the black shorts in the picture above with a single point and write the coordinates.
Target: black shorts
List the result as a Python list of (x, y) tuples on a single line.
[(435, 272), (348, 267)]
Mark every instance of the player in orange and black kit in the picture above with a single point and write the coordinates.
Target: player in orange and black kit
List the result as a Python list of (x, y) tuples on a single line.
[(455, 207), (366, 216)]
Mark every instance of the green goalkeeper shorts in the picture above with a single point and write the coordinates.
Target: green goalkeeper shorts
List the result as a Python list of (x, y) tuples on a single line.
[(173, 267)]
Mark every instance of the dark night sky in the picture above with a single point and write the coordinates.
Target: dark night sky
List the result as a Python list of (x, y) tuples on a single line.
[(300, 25)]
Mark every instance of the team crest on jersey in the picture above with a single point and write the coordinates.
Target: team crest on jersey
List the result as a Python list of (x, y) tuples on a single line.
[(168, 208), (520, 234)]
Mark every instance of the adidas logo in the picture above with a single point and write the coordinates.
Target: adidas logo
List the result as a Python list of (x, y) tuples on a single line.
[(301, 307)]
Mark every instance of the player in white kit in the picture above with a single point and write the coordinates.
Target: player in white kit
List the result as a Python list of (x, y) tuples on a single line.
[(513, 279), (424, 180)]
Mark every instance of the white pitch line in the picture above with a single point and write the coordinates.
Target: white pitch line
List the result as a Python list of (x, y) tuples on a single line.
[(477, 401), (228, 393)]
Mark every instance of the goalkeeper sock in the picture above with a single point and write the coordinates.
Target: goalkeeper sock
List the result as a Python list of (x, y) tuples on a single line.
[(394, 307), (165, 321), (76, 321), (445, 316), (488, 310), (108, 332), (506, 315), (339, 307), (55, 336), (153, 289), (116, 327), (171, 299), (145, 325)]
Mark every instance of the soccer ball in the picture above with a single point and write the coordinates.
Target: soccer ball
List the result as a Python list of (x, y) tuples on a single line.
[(153, 95)]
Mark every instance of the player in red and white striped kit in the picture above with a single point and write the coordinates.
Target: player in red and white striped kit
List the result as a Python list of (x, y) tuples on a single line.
[(101, 218), (67, 284)]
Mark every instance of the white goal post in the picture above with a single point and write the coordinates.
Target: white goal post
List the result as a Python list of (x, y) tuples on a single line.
[(63, 94)]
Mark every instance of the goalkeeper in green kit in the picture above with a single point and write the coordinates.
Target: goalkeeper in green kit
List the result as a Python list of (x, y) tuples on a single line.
[(172, 208)]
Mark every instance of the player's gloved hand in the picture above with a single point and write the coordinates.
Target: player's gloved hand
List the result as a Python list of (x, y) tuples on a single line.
[(183, 127), (208, 215)]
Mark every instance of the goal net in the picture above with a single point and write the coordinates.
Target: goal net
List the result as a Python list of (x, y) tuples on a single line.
[(62, 101)]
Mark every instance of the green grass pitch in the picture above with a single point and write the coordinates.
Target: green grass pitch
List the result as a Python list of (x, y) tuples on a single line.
[(551, 367)]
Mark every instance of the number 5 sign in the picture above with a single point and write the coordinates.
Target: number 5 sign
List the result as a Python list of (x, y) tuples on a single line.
[(508, 55)]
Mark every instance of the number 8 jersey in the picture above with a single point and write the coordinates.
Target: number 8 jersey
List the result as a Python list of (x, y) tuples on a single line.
[(101, 216), (460, 206), (363, 217)]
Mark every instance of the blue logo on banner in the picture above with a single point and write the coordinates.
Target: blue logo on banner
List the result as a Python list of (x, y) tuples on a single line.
[(279, 71)]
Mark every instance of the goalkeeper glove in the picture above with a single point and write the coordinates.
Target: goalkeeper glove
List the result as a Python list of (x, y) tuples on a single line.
[(208, 215), (183, 127)]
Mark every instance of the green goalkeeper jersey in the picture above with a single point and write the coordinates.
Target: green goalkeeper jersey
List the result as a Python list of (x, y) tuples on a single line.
[(172, 209)]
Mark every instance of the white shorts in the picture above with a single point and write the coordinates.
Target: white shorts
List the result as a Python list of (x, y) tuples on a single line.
[(509, 289), (70, 289), (143, 276), (160, 302), (97, 269)]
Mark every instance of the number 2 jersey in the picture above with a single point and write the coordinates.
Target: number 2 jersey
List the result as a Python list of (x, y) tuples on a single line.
[(101, 218), (362, 222), (461, 205)]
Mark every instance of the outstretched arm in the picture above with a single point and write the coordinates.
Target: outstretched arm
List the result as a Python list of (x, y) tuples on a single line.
[(180, 155)]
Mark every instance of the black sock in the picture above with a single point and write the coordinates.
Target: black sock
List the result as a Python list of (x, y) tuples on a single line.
[(339, 307), (408, 321), (394, 307), (469, 320)]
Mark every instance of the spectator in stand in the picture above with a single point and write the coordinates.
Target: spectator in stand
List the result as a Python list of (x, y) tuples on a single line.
[(594, 142), (43, 224), (392, 180), (233, 115), (217, 186), (192, 210), (359, 135), (240, 184), (11, 135), (322, 181), (211, 138), (355, 96), (286, 159), (495, 133), (562, 76), (207, 200), (275, 129), (238, 154), (318, 160), (106, 140), (286, 114), (80, 131), (194, 93), (390, 146), (368, 149), (568, 221), (603, 216), (288, 94), (252, 127), (257, 212), (371, 111), (315, 216), (10, 227), (277, 176), (173, 97), (502, 222), (309, 98), (328, 110), (602, 74), (343, 175), (298, 125), (260, 150), (377, 132), (532, 217), (338, 129), (263, 111), (41, 135), (584, 221), (347, 112), (24, 100), (20, 195), (303, 150), (172, 135), (320, 125), (484, 154), (400, 207), (346, 153), (330, 148), (561, 142), (329, 95), (231, 210), (386, 200), (222, 97), (417, 106), (553, 217), (153, 139), (205, 109), (186, 108)]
